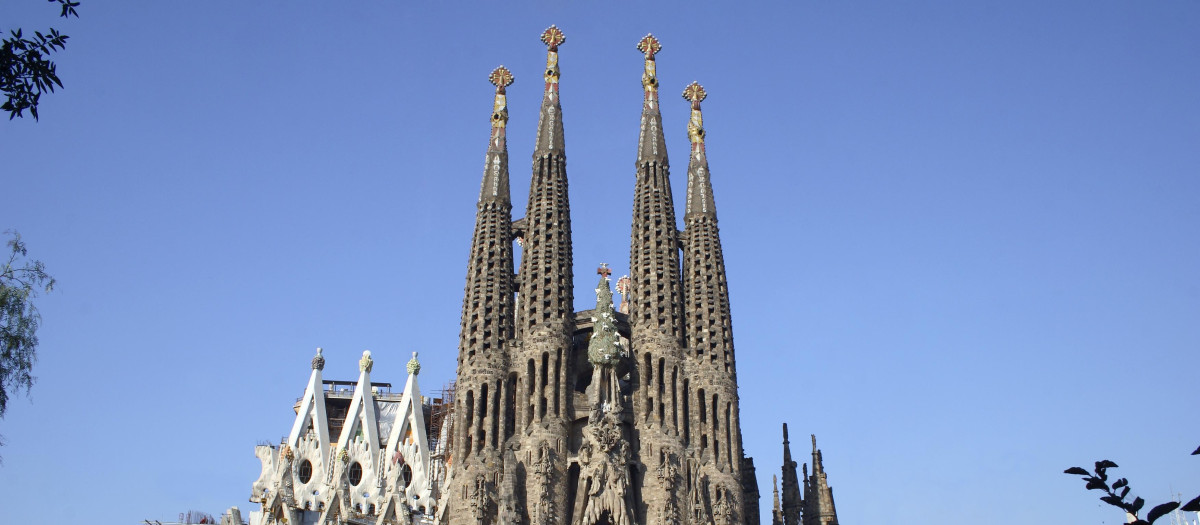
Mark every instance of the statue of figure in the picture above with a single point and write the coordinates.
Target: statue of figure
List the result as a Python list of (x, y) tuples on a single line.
[(723, 510), (479, 499), (604, 475)]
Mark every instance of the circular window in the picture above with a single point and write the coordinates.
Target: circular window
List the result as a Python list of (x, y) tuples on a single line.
[(304, 472), (355, 473), (406, 475)]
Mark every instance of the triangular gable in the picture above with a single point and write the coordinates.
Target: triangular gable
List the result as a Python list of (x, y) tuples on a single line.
[(409, 441), (362, 414), (312, 410)]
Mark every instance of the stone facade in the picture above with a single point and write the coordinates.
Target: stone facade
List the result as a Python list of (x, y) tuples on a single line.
[(604, 416), (609, 416)]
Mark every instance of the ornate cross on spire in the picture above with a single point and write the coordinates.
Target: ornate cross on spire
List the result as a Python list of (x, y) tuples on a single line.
[(604, 270), (695, 93), (623, 289), (552, 37), (501, 77), (649, 46)]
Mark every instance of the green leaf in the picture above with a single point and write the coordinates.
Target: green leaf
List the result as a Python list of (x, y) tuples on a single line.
[(1077, 470), (1137, 505)]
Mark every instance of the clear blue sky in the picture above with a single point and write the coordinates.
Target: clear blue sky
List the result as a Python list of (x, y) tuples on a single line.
[(961, 236)]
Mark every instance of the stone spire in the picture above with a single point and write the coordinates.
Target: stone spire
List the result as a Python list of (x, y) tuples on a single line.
[(776, 511), (651, 144), (487, 319), (818, 495), (550, 126), (792, 502), (656, 290), (546, 290), (487, 304), (699, 191), (539, 374), (495, 171), (709, 323), (660, 394)]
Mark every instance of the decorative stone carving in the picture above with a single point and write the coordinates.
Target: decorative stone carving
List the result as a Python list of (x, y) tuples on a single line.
[(480, 499), (604, 481), (366, 363), (414, 366), (667, 473), (723, 512), (318, 362)]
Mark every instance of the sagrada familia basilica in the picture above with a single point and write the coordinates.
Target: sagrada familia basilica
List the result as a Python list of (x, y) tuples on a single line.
[(618, 415)]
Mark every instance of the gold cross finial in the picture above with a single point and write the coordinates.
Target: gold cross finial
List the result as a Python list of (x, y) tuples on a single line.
[(694, 93), (553, 37), (649, 45), (501, 77)]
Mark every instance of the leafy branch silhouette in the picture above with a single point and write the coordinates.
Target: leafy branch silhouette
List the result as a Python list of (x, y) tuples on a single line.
[(1116, 493)]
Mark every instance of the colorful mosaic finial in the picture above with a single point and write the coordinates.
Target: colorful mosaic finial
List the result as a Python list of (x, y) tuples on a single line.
[(649, 46), (366, 362), (695, 93), (552, 37), (623, 289), (414, 366), (318, 362), (604, 270), (501, 77)]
